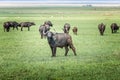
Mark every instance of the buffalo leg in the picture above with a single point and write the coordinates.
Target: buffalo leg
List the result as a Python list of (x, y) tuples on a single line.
[(66, 50), (54, 51), (73, 49), (21, 29), (8, 29), (51, 50), (101, 33), (17, 28), (112, 29), (41, 36), (28, 28)]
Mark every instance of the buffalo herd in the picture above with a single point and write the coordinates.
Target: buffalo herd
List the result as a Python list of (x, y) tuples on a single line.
[(7, 25), (114, 27), (56, 39)]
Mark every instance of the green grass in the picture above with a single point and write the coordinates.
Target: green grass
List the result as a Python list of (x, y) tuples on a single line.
[(24, 56)]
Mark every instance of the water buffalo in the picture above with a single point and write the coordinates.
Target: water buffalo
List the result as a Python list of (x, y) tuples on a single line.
[(44, 28), (7, 25), (75, 29), (66, 28), (60, 40), (101, 28), (114, 27), (26, 24)]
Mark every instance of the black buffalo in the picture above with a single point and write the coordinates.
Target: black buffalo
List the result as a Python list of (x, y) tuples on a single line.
[(66, 28), (101, 28), (7, 25), (114, 27), (60, 40), (26, 24), (44, 28)]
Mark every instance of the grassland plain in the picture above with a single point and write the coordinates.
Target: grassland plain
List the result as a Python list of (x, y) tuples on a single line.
[(24, 56)]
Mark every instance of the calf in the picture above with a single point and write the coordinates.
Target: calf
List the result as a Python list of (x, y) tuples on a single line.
[(114, 27), (60, 40), (101, 28), (75, 29)]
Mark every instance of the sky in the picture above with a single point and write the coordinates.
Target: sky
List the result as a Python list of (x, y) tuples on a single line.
[(20, 3)]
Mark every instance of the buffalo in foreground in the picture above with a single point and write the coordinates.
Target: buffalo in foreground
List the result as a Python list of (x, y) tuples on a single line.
[(114, 27), (60, 40), (7, 25), (44, 28), (75, 29), (101, 28), (66, 28), (26, 24)]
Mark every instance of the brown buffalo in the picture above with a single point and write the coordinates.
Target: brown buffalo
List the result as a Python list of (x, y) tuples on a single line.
[(75, 29), (26, 24), (60, 40), (66, 28), (101, 28), (114, 27)]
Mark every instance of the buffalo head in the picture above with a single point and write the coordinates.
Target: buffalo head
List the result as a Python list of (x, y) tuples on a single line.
[(48, 23), (66, 28)]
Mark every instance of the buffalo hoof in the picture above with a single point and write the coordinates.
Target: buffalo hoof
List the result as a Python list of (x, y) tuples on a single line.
[(53, 56), (65, 54), (75, 54)]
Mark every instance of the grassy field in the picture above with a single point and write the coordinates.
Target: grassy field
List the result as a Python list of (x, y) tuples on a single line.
[(24, 56)]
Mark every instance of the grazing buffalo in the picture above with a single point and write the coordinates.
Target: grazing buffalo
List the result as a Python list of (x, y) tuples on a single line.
[(101, 28), (75, 29), (114, 27), (66, 28), (26, 24), (60, 40), (44, 28), (7, 25)]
